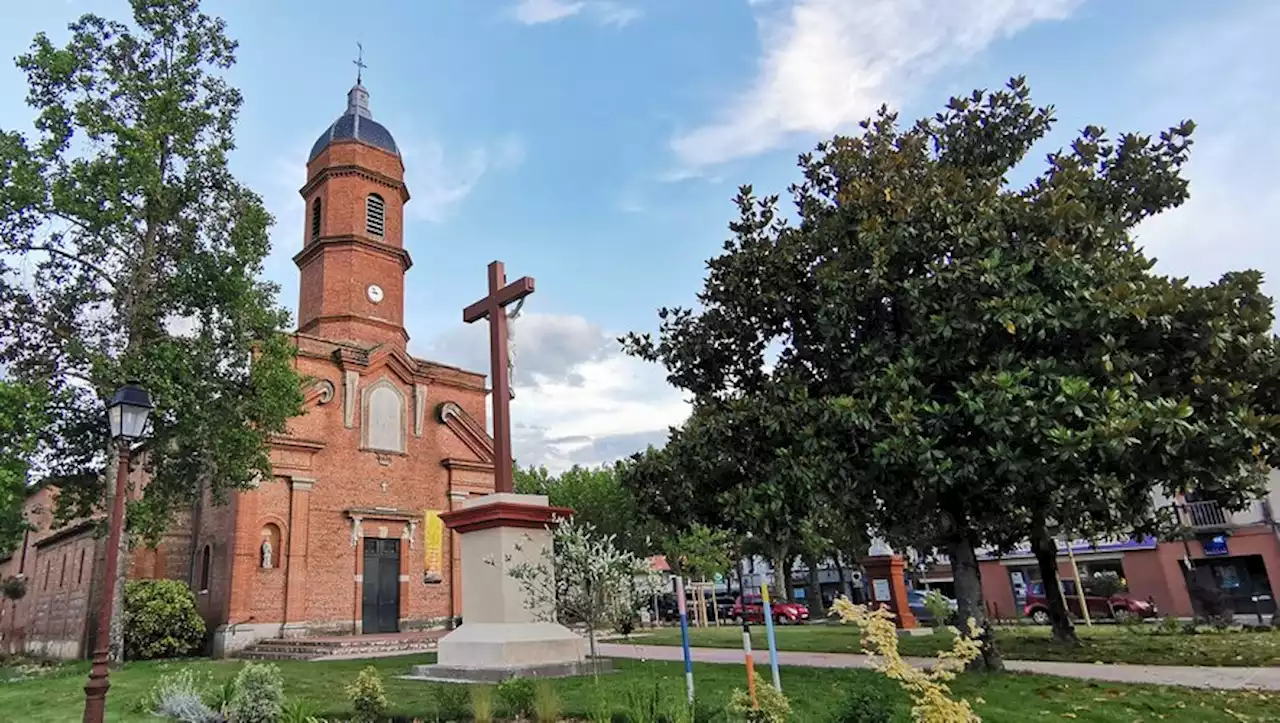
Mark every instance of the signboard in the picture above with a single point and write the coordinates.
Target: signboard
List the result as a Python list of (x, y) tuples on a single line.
[(433, 542), (1215, 546), (718, 578), (1078, 547), (880, 589)]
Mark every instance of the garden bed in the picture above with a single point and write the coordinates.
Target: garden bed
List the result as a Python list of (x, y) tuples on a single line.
[(56, 696)]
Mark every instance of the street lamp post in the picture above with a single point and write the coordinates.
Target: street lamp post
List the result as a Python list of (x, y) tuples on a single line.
[(127, 415)]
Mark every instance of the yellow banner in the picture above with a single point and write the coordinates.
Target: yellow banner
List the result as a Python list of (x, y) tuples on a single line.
[(433, 532)]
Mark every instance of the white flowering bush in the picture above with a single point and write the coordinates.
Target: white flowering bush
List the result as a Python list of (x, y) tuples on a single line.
[(584, 578)]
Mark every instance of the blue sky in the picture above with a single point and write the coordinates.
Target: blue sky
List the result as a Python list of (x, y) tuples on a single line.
[(596, 144)]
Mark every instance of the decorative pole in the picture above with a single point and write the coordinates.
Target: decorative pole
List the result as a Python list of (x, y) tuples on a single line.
[(684, 637), (768, 628), (751, 663)]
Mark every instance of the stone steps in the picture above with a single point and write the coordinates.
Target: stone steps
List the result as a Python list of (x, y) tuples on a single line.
[(354, 647)]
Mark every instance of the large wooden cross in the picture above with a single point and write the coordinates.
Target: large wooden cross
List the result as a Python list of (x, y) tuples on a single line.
[(491, 307)]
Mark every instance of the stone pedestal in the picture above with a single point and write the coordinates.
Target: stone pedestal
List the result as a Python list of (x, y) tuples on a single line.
[(502, 635), (889, 587)]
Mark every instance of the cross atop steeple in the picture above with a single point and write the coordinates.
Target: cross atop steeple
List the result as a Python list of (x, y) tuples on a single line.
[(359, 61)]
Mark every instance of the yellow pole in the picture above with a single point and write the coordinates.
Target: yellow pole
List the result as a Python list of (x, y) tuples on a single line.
[(1075, 570)]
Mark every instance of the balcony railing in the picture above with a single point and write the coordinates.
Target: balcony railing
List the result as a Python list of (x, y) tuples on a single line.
[(1205, 516)]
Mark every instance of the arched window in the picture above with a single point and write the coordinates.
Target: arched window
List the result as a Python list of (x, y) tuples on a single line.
[(375, 215), (315, 219), (80, 574), (206, 562)]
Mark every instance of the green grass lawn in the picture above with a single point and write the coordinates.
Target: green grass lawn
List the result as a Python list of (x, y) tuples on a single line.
[(1105, 644), (57, 698)]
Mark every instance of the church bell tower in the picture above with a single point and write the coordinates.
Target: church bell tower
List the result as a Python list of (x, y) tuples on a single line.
[(353, 259)]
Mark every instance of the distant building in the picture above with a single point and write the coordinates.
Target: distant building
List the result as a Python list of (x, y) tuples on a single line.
[(1242, 549)]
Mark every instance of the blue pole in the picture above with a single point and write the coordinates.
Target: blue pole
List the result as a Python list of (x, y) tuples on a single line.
[(684, 637), (773, 644)]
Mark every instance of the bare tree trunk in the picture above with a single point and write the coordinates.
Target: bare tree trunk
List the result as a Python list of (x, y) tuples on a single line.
[(964, 565), (1046, 552), (844, 583), (782, 575), (813, 590), (115, 646)]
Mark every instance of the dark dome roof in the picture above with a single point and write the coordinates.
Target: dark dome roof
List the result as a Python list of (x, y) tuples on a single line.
[(356, 124)]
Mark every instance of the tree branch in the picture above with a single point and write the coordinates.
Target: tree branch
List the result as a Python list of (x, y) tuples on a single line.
[(55, 251)]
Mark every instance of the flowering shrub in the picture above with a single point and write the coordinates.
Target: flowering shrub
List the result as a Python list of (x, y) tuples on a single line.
[(930, 694), (258, 696), (774, 707), (368, 696), (584, 578)]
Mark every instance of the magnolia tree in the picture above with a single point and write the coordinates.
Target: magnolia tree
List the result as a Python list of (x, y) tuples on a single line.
[(584, 578)]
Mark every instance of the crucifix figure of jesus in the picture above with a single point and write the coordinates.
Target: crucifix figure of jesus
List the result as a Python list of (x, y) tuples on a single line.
[(492, 308)]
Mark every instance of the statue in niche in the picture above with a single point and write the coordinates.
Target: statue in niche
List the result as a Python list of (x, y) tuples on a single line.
[(266, 555)]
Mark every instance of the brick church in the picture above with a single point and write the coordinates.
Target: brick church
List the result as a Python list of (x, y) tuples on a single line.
[(345, 538)]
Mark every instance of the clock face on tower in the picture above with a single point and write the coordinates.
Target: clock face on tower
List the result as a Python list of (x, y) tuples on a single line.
[(374, 292)]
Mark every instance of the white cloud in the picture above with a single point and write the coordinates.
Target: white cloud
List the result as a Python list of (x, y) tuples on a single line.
[(606, 12), (827, 64), (534, 12), (579, 399), (613, 13), (438, 181), (1218, 75)]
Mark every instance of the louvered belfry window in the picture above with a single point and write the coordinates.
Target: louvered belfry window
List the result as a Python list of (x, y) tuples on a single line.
[(315, 219), (375, 215)]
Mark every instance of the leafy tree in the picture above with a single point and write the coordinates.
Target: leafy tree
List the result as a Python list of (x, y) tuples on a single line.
[(143, 253), (699, 552), (984, 363), (584, 578), (596, 496), (21, 419), (754, 466)]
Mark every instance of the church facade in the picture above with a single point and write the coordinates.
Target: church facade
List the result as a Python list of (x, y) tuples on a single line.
[(345, 537)]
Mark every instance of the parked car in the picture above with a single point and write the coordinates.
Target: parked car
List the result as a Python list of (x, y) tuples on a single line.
[(1121, 606), (915, 601), (751, 609)]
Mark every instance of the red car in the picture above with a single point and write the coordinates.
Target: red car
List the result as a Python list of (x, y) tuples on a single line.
[(751, 609), (1120, 606)]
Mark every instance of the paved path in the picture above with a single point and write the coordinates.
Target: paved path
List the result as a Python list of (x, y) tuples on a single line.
[(1180, 675)]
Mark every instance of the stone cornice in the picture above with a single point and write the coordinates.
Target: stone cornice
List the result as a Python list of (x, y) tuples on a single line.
[(467, 429), (370, 320), (314, 248), (296, 443), (354, 170), (466, 465), (381, 513), (504, 514)]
